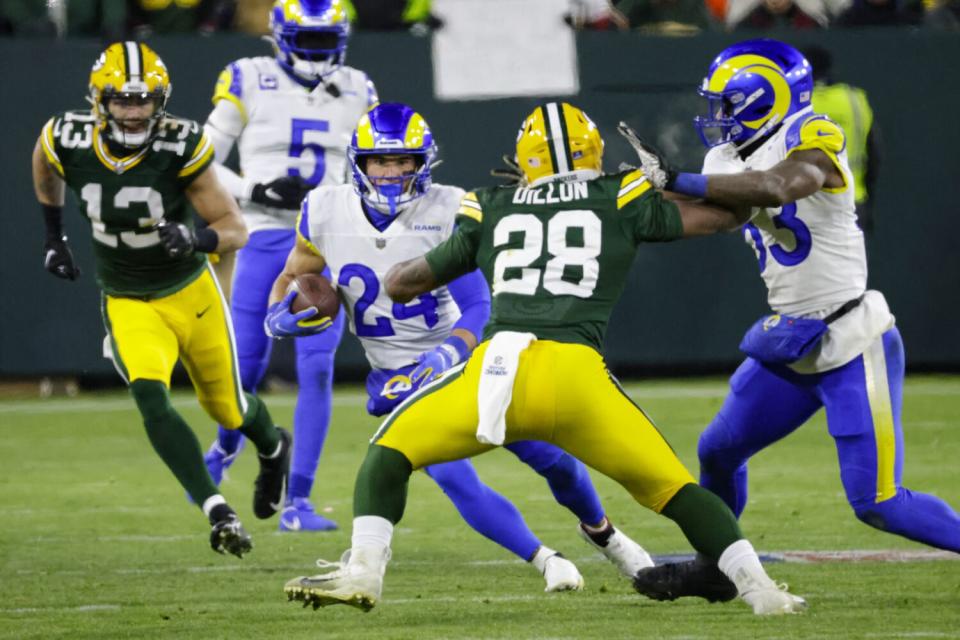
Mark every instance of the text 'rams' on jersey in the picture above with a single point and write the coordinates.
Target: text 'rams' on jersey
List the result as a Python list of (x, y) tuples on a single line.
[(124, 198), (556, 255)]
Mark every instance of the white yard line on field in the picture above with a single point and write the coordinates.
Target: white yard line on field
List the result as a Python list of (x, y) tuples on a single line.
[(356, 398)]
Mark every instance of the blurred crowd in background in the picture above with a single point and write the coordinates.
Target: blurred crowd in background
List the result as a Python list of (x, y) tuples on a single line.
[(117, 19)]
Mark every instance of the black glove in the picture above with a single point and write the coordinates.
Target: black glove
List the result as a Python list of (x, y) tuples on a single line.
[(658, 171), (178, 239), (283, 193), (512, 175), (58, 260)]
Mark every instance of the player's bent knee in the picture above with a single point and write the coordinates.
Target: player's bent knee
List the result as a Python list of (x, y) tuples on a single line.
[(152, 398), (714, 448)]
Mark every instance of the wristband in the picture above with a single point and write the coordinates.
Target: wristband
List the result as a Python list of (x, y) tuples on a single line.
[(455, 345), (52, 215), (206, 240), (690, 184)]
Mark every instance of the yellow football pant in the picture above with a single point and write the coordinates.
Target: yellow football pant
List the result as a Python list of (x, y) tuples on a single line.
[(562, 394), (193, 324)]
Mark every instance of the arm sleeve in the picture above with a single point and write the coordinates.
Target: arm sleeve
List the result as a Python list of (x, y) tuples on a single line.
[(472, 295), (224, 125)]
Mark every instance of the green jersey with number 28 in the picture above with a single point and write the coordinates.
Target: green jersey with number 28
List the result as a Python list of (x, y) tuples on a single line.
[(557, 255), (125, 197)]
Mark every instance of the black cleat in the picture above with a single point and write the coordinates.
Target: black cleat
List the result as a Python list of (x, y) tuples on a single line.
[(229, 536), (695, 578), (271, 483)]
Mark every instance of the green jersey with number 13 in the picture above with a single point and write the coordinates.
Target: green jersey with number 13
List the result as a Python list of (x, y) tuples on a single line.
[(125, 197), (556, 255)]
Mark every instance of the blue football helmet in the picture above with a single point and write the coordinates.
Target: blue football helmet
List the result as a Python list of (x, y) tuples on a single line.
[(310, 36), (391, 128), (752, 87)]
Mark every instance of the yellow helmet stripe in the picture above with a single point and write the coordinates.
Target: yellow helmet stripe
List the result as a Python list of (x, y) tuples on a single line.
[(364, 133), (557, 136)]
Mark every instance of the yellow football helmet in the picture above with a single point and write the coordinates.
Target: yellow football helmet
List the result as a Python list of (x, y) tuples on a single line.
[(129, 71), (558, 139)]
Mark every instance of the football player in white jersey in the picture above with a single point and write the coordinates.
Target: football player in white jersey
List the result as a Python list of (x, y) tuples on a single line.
[(830, 342), (291, 117), (392, 213)]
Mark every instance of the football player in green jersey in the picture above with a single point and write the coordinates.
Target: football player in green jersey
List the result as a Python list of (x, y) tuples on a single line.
[(556, 251), (135, 168)]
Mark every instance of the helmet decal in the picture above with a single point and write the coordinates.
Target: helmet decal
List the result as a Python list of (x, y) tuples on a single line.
[(751, 88)]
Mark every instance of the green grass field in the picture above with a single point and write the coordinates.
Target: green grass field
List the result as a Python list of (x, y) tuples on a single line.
[(97, 540)]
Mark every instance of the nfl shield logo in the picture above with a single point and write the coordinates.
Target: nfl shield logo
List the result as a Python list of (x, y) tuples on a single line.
[(381, 243)]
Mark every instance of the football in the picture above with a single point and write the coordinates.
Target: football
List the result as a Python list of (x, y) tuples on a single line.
[(313, 290)]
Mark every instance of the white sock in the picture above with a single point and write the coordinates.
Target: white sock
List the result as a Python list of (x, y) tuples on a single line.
[(539, 559), (740, 563), (211, 502), (371, 531)]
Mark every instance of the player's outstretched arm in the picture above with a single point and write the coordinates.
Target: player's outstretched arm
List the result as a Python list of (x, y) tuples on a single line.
[(220, 211), (406, 280), (703, 219), (801, 174)]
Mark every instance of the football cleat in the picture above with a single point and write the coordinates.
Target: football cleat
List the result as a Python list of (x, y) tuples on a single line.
[(699, 578), (773, 600), (299, 515), (561, 574), (356, 581), (229, 536), (628, 556), (271, 484)]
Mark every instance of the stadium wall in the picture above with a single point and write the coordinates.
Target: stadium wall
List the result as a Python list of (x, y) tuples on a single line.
[(687, 304)]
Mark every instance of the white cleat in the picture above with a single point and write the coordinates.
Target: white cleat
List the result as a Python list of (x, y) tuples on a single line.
[(357, 582), (773, 600), (626, 555), (560, 573)]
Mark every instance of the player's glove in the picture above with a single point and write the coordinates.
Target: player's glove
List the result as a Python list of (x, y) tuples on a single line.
[(432, 363), (283, 193), (58, 260), (658, 171), (179, 240), (511, 174), (281, 322)]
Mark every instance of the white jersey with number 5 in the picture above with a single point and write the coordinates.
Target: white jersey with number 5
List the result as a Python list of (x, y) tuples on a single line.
[(811, 252), (359, 256), (290, 129)]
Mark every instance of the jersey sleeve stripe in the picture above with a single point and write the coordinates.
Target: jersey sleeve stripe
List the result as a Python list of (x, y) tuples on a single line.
[(46, 142), (230, 88), (201, 154), (631, 186), (470, 207), (626, 196), (303, 228)]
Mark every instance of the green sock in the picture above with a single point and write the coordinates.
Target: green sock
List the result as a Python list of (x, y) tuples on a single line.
[(259, 428), (381, 487), (704, 518), (173, 439)]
